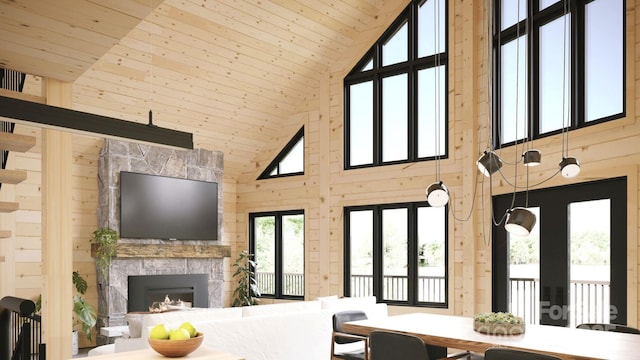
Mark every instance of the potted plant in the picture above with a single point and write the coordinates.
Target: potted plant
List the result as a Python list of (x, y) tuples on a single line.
[(247, 292), (106, 240), (85, 313), (498, 323)]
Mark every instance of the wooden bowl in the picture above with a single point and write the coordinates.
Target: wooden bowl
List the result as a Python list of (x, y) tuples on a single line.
[(176, 348)]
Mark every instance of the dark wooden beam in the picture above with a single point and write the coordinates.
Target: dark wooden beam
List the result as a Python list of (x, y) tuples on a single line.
[(96, 124)]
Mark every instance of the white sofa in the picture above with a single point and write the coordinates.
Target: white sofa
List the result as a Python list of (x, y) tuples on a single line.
[(294, 330)]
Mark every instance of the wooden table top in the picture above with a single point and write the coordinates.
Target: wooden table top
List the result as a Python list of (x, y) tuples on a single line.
[(457, 332), (202, 353)]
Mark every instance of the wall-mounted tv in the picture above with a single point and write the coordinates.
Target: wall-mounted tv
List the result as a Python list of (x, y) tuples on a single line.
[(161, 207)]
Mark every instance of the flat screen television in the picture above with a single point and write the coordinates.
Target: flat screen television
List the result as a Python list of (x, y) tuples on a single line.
[(167, 208)]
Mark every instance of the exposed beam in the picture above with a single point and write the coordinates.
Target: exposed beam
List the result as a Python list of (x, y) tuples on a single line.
[(57, 117)]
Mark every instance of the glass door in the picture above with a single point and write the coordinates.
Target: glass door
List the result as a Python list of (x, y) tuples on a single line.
[(571, 269)]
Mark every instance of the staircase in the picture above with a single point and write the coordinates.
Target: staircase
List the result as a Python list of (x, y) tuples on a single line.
[(11, 80), (19, 143)]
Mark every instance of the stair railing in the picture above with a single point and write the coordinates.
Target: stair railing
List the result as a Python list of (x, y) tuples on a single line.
[(20, 330)]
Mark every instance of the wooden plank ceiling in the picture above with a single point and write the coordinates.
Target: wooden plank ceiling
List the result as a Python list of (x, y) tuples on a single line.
[(230, 71)]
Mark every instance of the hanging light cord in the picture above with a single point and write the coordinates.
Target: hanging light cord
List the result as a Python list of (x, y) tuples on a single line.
[(436, 85), (515, 172), (486, 34), (565, 117)]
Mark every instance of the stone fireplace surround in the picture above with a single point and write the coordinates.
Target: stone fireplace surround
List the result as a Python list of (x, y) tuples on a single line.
[(153, 256)]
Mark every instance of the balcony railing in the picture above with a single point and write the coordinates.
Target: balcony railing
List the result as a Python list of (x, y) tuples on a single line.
[(292, 284), (589, 300)]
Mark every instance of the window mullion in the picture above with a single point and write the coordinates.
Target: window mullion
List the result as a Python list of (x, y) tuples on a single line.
[(377, 113), (577, 71), (278, 255), (412, 255), (378, 254), (533, 60)]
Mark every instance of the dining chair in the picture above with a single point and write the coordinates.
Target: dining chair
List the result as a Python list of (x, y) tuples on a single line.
[(345, 345), (609, 327), (513, 354), (387, 345)]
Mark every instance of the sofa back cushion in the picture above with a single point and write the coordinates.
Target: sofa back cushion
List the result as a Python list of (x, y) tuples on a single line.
[(280, 308), (173, 319), (289, 336)]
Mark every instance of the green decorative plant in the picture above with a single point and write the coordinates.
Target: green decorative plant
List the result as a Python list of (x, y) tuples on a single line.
[(498, 318), (106, 240), (85, 313), (247, 292)]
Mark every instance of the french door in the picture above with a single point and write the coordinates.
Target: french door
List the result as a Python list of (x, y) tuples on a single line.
[(571, 269)]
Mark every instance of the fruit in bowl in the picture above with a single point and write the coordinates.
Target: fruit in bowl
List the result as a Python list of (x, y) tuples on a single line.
[(175, 342)]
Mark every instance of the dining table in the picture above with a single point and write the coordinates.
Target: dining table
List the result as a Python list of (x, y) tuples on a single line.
[(457, 332)]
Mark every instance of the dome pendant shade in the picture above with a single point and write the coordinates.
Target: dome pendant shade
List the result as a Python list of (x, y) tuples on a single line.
[(489, 163), (437, 194), (570, 167), (532, 157), (520, 221)]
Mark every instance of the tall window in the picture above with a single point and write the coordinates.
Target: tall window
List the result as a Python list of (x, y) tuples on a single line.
[(277, 240), (397, 252), (395, 98), (532, 56)]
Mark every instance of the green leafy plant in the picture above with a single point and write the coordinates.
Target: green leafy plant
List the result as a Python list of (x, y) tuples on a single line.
[(247, 292), (84, 311), (86, 314), (498, 318), (106, 240)]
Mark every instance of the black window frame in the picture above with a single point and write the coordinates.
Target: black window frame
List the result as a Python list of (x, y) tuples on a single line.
[(411, 67), (278, 271), (538, 18), (412, 253), (275, 163)]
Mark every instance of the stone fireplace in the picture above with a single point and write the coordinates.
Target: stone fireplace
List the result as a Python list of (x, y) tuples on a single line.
[(136, 257)]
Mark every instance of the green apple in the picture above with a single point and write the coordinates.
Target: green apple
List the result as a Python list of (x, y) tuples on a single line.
[(159, 332), (179, 334), (189, 327)]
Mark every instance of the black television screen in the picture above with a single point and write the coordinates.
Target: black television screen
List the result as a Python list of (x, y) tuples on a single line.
[(161, 207)]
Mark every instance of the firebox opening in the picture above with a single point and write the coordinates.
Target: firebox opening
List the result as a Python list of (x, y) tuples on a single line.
[(145, 290)]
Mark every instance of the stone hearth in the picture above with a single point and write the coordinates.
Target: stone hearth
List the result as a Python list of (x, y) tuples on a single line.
[(117, 156)]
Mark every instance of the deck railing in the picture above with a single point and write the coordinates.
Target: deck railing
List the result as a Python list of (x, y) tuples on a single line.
[(293, 284), (589, 300)]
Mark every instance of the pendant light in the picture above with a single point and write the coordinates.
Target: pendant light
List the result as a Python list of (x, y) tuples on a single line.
[(489, 163), (532, 157), (569, 166), (520, 221), (437, 193)]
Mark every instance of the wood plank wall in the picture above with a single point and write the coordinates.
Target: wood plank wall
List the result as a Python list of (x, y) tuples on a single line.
[(606, 150)]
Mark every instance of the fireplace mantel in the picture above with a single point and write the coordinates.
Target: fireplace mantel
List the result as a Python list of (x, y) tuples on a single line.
[(130, 250)]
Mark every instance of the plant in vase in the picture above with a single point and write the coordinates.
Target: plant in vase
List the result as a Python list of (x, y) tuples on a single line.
[(85, 314), (247, 292), (498, 323), (84, 311)]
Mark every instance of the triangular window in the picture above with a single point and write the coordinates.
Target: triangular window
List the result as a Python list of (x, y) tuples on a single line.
[(290, 161)]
